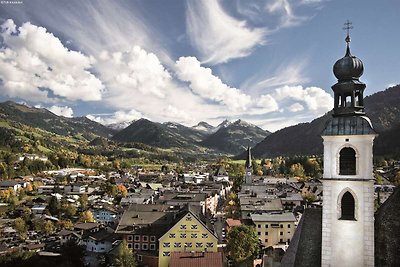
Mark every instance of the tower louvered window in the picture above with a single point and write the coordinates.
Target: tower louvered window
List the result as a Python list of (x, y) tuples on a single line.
[(347, 161)]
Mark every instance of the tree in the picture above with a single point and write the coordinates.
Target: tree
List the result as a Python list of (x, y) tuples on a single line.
[(86, 216), (65, 224), (243, 243), (54, 206), (84, 200), (48, 228), (122, 190), (20, 227), (297, 170), (124, 257)]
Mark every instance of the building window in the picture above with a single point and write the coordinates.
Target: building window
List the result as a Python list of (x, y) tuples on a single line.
[(145, 238), (137, 237), (166, 244), (347, 206), (258, 225), (288, 240), (130, 237), (347, 161), (259, 233), (145, 246), (177, 245), (266, 240), (194, 226), (183, 227), (281, 225), (210, 244), (204, 235), (281, 233), (288, 226), (129, 245), (199, 245), (152, 238), (152, 246), (136, 246), (281, 240), (182, 235), (140, 258), (188, 244), (266, 233), (266, 226), (172, 235), (166, 253), (193, 235)]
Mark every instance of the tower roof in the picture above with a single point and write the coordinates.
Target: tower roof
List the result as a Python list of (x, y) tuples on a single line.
[(248, 158), (349, 90)]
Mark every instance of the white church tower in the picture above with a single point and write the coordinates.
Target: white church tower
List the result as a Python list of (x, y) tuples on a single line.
[(348, 196)]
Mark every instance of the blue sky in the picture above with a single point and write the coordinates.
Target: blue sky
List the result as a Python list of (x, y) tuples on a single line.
[(268, 62)]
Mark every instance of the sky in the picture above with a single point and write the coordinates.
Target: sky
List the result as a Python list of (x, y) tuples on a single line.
[(268, 62)]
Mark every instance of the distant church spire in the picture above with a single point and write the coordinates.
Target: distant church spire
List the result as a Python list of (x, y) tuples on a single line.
[(248, 166), (349, 90)]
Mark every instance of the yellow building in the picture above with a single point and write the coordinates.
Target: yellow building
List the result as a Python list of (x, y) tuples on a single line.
[(188, 234), (274, 228)]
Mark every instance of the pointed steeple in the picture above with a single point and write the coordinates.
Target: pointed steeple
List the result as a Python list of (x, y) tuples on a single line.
[(248, 166), (248, 158)]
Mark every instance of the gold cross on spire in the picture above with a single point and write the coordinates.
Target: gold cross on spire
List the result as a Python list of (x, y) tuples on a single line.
[(347, 26)]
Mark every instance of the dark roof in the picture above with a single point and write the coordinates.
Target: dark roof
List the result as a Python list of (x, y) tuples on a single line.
[(305, 247), (196, 259), (9, 183), (86, 226), (354, 125), (387, 232)]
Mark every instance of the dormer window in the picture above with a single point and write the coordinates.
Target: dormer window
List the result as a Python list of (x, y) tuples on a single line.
[(347, 161)]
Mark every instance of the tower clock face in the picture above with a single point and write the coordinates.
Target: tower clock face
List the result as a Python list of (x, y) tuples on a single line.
[(248, 173)]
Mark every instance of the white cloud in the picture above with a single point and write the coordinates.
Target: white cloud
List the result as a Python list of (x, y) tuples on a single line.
[(33, 62), (205, 84), (117, 117), (62, 111), (133, 72), (177, 114), (264, 104), (284, 9), (218, 36), (286, 74), (316, 99), (296, 107)]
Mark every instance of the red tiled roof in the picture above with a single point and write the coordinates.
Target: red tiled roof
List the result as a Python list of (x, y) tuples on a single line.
[(196, 259), (232, 222)]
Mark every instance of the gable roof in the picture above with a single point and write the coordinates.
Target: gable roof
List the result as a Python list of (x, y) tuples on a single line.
[(188, 209)]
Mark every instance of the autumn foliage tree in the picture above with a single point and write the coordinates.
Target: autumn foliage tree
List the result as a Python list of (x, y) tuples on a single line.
[(243, 244)]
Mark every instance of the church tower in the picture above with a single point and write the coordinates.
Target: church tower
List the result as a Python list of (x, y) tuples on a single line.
[(248, 167), (348, 196)]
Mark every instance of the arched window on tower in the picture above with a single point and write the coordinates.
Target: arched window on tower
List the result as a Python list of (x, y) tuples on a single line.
[(347, 161), (347, 207)]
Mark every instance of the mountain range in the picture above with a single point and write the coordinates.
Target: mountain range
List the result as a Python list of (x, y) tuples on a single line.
[(227, 137), (19, 121)]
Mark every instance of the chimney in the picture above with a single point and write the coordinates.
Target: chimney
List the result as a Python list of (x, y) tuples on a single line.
[(192, 254)]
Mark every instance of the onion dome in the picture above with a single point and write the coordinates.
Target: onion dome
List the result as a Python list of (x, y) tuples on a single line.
[(348, 67)]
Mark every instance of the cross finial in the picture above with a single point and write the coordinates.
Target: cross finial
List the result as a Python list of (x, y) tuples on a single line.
[(347, 26)]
